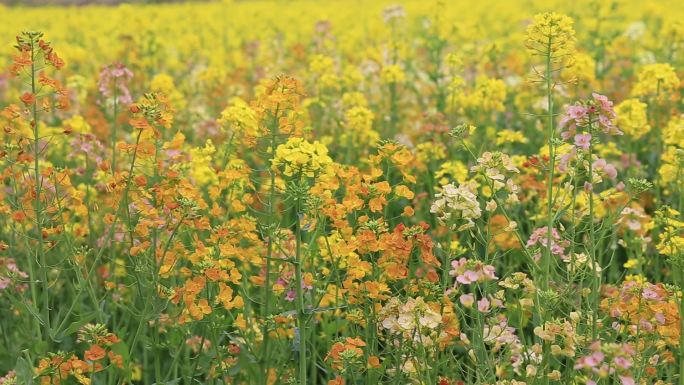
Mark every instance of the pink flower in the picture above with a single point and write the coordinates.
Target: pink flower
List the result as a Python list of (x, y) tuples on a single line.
[(626, 380), (539, 238), (606, 105), (566, 158), (594, 359), (483, 305), (467, 300), (646, 325), (290, 296), (489, 272), (583, 141), (468, 277), (597, 113), (649, 293), (599, 163), (113, 80), (607, 168), (622, 362), (573, 113)]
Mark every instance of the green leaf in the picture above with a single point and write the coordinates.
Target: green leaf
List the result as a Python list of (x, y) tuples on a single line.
[(24, 371), (76, 325)]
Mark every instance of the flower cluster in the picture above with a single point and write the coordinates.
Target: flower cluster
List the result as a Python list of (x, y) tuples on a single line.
[(656, 80), (414, 320), (593, 115), (113, 83), (539, 240), (300, 157), (11, 276), (457, 204), (632, 118), (498, 168), (551, 34), (468, 271)]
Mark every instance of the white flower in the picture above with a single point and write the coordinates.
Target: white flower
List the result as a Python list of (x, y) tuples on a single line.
[(460, 202)]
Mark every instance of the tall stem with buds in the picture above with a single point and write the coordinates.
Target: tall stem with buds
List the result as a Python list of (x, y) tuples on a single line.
[(269, 256), (595, 275), (552, 165), (301, 315), (37, 204)]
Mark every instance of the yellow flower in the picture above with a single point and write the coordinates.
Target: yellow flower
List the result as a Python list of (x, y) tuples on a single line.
[(321, 64), (240, 118), (656, 80), (631, 263), (581, 70), (489, 95), (359, 122), (430, 151), (354, 99), (201, 169), (393, 74), (673, 133), (551, 34), (452, 171), (510, 136), (632, 118), (164, 83), (359, 118), (671, 169), (298, 155), (76, 124)]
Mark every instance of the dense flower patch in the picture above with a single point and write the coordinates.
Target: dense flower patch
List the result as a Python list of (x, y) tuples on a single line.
[(342, 193)]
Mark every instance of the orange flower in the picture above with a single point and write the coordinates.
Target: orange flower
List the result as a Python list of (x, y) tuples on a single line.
[(28, 98), (94, 353), (373, 362)]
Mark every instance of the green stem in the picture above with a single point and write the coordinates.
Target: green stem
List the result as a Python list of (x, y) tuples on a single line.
[(269, 254), (552, 166), (40, 255), (114, 128), (596, 278), (301, 320)]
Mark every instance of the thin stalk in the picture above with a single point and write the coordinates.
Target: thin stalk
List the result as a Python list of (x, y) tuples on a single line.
[(595, 279), (552, 165), (681, 325), (269, 255), (301, 316), (114, 128), (40, 255)]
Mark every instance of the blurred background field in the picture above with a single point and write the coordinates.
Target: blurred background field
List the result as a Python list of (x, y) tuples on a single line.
[(84, 2)]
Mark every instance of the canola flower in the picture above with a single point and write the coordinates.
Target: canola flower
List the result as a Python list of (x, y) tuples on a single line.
[(657, 80), (632, 118), (301, 157), (342, 193), (551, 34)]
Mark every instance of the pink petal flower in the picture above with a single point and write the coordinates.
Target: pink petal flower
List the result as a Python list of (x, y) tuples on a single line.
[(583, 141), (467, 300)]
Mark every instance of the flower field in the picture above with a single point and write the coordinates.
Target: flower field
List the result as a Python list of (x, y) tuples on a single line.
[(342, 193)]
